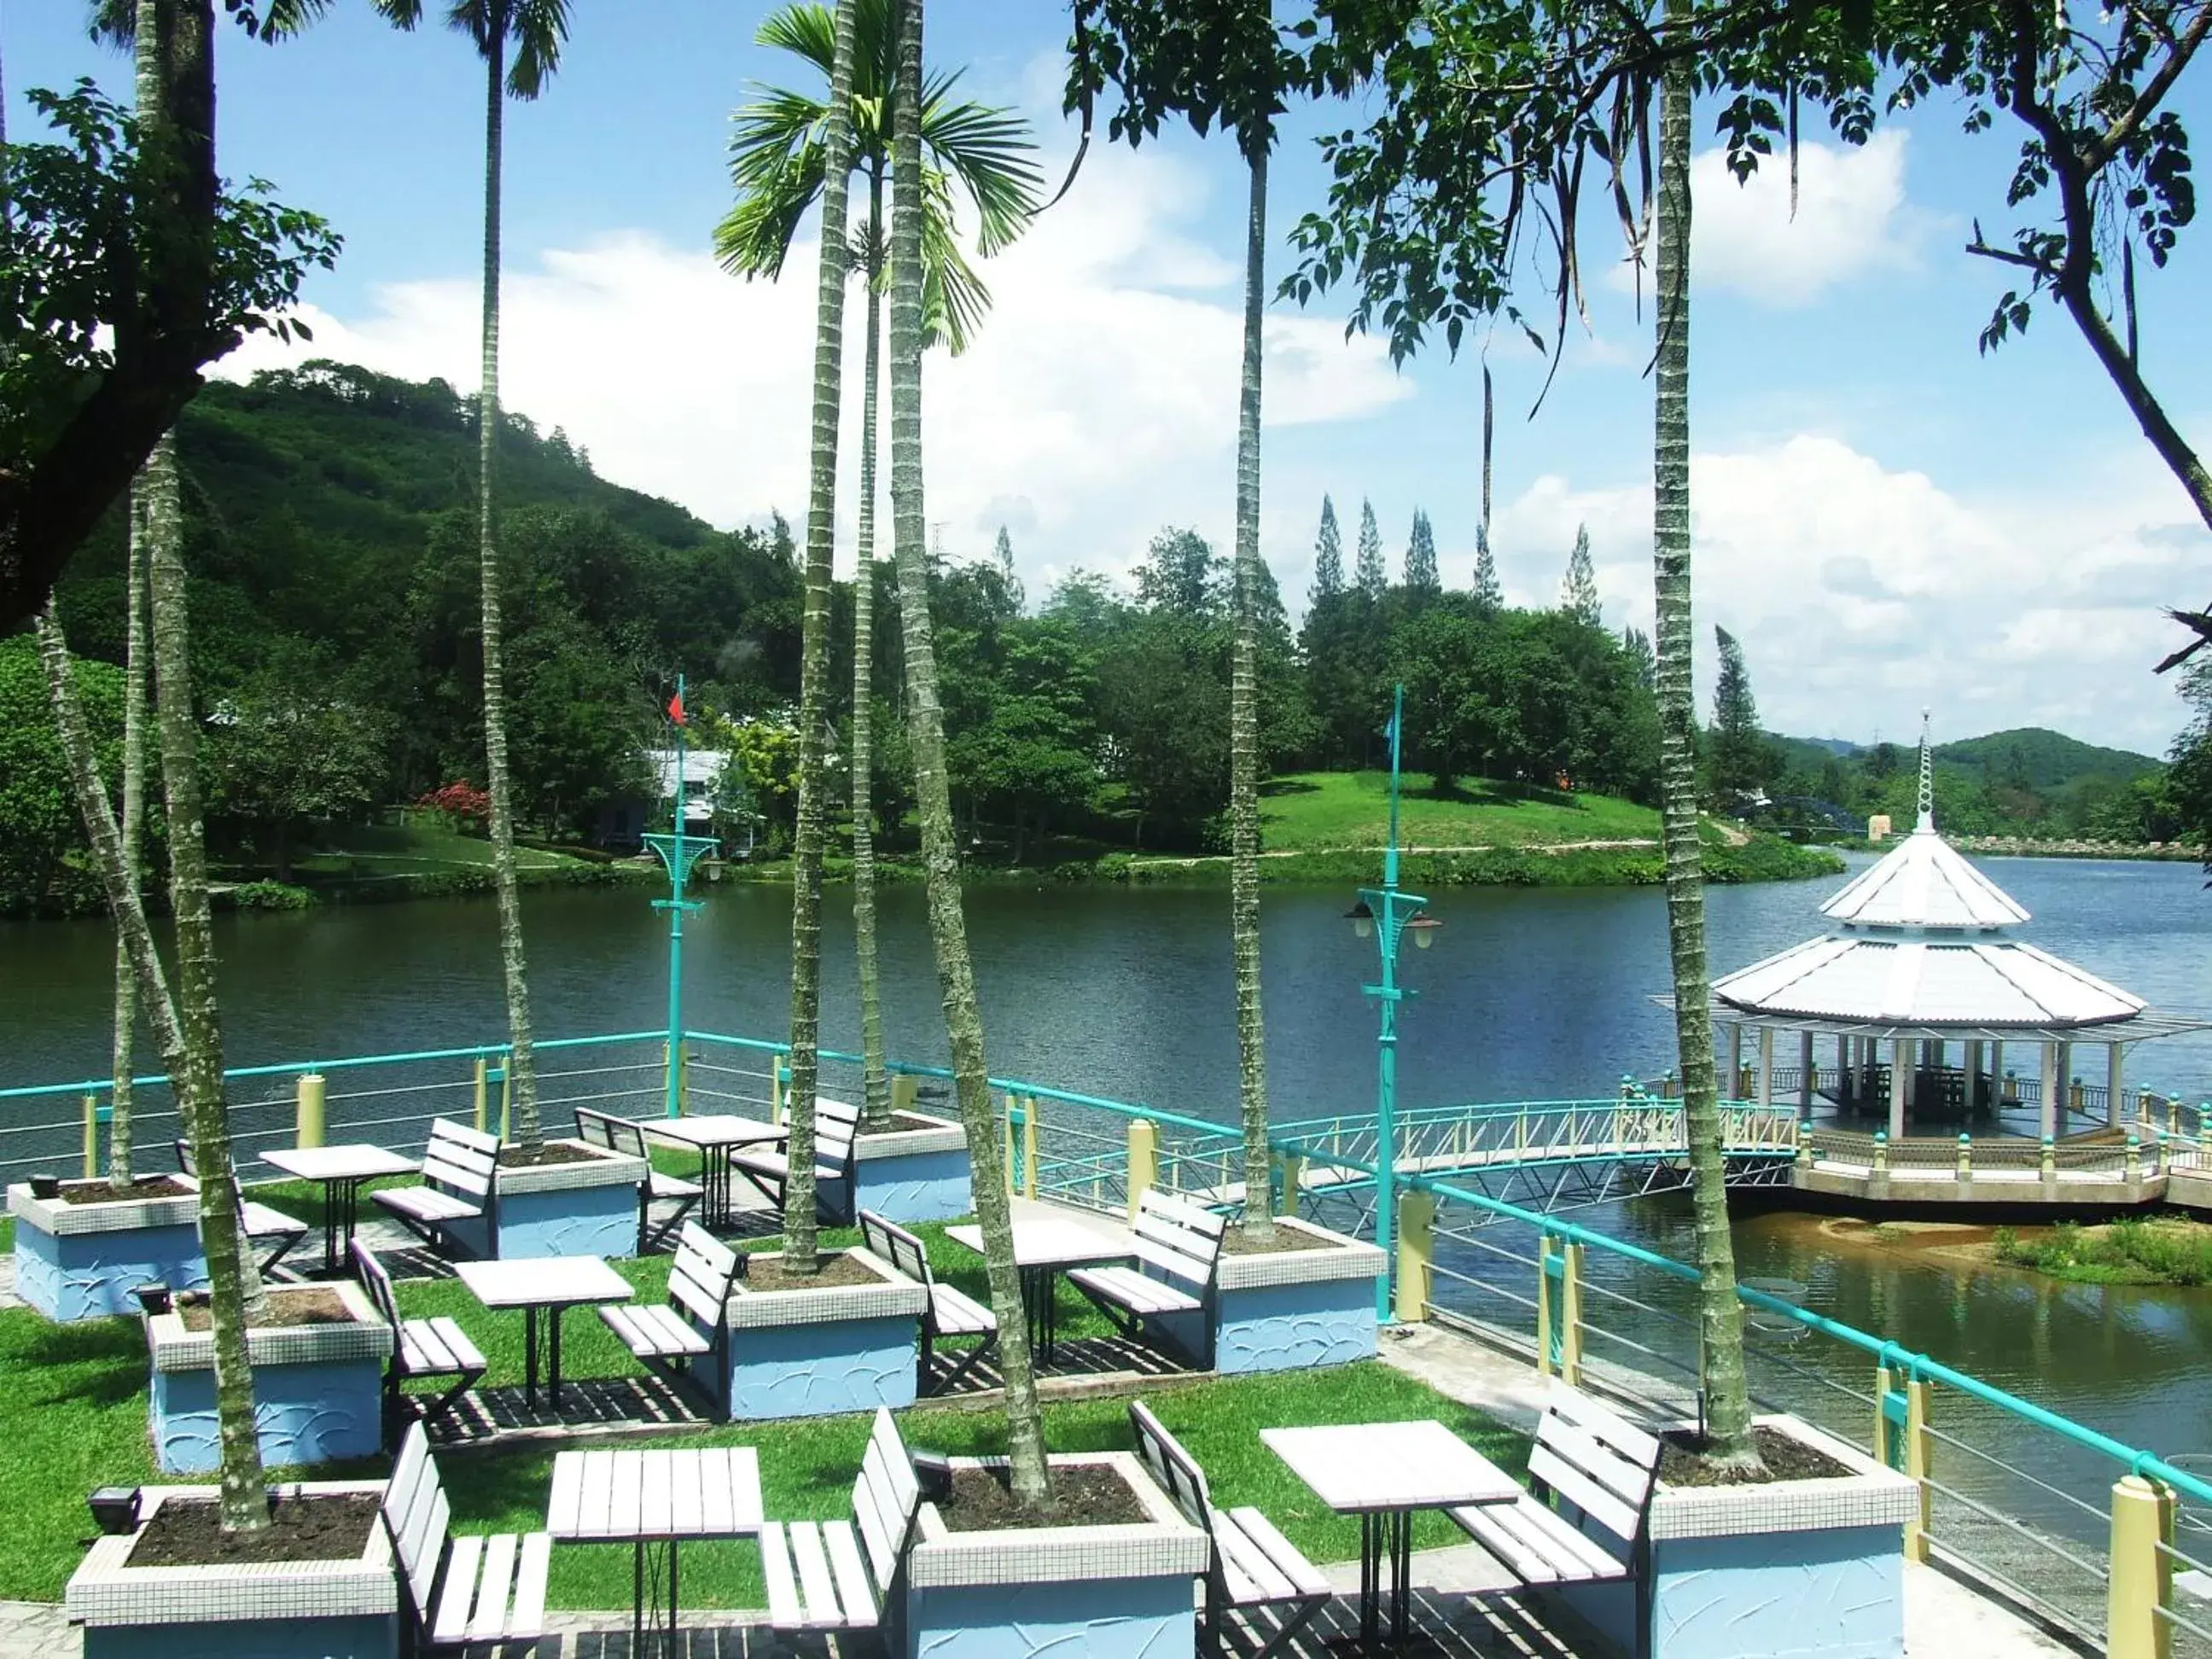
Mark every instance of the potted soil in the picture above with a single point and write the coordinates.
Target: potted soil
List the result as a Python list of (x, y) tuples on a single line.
[(318, 1379), (1809, 1563), (318, 1584), (843, 1340), (563, 1197), (82, 1250), (1307, 1302), (1107, 1574), (917, 1170)]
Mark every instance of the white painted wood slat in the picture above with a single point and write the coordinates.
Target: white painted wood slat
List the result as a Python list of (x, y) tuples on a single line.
[(494, 1582), (458, 1595), (815, 1584), (853, 1590), (565, 1507), (527, 1620)]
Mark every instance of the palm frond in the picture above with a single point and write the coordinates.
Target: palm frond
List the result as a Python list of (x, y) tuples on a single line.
[(400, 14), (988, 150), (954, 299), (540, 28), (755, 237), (804, 29), (778, 123)]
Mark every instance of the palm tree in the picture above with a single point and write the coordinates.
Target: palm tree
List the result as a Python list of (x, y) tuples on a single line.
[(1243, 728), (538, 28), (956, 973), (1728, 1409), (778, 164), (134, 809)]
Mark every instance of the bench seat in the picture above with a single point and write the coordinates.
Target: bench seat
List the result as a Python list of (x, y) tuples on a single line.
[(626, 1136), (1538, 1547), (435, 1347), (841, 1574), (952, 1311), (1128, 1288), (427, 1204), (655, 1332), (459, 1591)]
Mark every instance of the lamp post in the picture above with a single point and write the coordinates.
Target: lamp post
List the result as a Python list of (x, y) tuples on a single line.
[(1387, 913), (679, 852)]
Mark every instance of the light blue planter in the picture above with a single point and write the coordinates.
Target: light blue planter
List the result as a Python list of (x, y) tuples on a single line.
[(816, 1353), (586, 1208), (924, 1186), (363, 1636), (82, 1262), (318, 1391), (1288, 1310), (1098, 1619)]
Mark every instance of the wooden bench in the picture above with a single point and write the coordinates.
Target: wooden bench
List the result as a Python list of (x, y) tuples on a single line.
[(693, 1323), (843, 1575), (1183, 1241), (1252, 1570), (460, 1174), (265, 1226), (1599, 1468), (951, 1313), (420, 1347), (458, 1591), (626, 1136), (837, 1187)]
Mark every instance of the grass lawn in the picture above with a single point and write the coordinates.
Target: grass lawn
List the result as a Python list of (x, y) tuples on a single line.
[(398, 849), (73, 1417), (1315, 811)]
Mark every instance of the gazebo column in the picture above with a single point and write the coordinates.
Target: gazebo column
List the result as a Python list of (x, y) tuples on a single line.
[(1900, 1069), (1973, 1065), (1733, 1087), (2115, 1075), (2065, 1083), (1996, 1076), (1806, 1076), (1766, 1066), (2047, 1108)]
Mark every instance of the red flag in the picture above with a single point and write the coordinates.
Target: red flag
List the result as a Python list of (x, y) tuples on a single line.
[(676, 709)]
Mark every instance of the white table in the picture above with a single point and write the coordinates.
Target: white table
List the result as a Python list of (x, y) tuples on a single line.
[(714, 1135), (1382, 1472), (652, 1498), (340, 1170), (552, 1282), (1045, 1246)]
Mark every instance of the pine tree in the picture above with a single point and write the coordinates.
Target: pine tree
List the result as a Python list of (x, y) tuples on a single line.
[(1489, 597), (1637, 644), (1739, 751), (1578, 591), (1004, 551), (1421, 557), (1367, 572), (1329, 557)]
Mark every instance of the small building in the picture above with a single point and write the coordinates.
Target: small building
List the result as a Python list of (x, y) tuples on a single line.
[(622, 822)]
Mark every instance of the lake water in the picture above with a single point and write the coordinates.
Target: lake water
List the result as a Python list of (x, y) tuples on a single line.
[(1126, 993)]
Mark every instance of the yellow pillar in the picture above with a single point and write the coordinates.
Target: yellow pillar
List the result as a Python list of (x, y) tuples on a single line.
[(1010, 1107), (1908, 1447), (92, 1137), (2141, 1581), (1029, 1146), (506, 1099), (1570, 1304), (1294, 1174), (775, 1102), (307, 1111), (1560, 1311), (903, 1089), (1417, 1221), (1143, 1159), (683, 1080), (1965, 1170), (482, 1093)]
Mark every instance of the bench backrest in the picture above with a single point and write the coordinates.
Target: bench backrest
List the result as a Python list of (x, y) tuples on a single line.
[(377, 1283), (187, 1162), (461, 1157), (595, 1128), (884, 1499), (1176, 1470), (415, 1514), (837, 1124), (1598, 1460), (892, 1243), (1181, 1239), (699, 1279)]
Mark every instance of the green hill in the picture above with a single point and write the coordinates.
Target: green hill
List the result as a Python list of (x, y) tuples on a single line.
[(2035, 757)]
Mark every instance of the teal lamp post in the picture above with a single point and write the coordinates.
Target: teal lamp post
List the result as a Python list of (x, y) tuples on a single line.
[(679, 852), (1388, 915)]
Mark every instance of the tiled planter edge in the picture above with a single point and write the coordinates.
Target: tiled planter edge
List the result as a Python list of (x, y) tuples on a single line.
[(915, 1175), (75, 1261), (817, 1352)]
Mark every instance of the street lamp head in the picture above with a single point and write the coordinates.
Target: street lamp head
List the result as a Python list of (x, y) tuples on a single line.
[(1361, 919), (1423, 927)]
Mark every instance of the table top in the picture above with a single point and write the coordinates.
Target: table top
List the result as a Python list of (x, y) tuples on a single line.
[(1049, 1241), (713, 1129), (357, 1162), (1353, 1467), (544, 1281), (712, 1492)]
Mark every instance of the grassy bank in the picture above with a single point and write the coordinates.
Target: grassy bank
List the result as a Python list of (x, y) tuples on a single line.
[(378, 864), (2165, 1252)]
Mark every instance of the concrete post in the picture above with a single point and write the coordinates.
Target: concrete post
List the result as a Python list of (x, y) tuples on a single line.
[(506, 1103), (1735, 1085), (1808, 1075), (2049, 1168), (1560, 1311), (2047, 1108), (92, 1137), (775, 1101), (1766, 1066), (1029, 1146), (904, 1089), (683, 1079), (1143, 1159), (482, 1093), (1965, 1174), (2142, 1580), (1417, 1220), (1902, 1441), (1292, 1170), (2115, 1082), (1973, 1064), (2133, 1166), (307, 1111), (1900, 1072), (1999, 1089), (1012, 1111), (2068, 1094)]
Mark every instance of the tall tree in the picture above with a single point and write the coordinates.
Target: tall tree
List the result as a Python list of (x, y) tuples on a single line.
[(1028, 1475), (1328, 557), (1421, 575), (1578, 588), (1739, 753), (537, 29), (1637, 644), (1489, 597), (1367, 577), (779, 165), (132, 829)]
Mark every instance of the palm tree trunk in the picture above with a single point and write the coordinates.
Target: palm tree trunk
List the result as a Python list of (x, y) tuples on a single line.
[(875, 1082), (243, 1499), (521, 1061), (1244, 738), (799, 1252), (956, 973), (134, 808), (1728, 1409)]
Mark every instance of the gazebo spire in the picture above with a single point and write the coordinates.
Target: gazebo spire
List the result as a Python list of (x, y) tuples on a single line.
[(1927, 819)]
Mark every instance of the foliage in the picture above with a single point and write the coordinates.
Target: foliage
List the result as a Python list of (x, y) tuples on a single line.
[(43, 867), (2189, 784), (2127, 1252), (1420, 568), (1739, 759), (1578, 588), (1367, 573), (1329, 557), (1483, 587), (464, 806), (764, 759), (270, 896), (286, 749)]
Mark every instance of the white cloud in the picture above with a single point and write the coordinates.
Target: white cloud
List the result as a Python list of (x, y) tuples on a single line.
[(1099, 403), (1852, 218), (1863, 592)]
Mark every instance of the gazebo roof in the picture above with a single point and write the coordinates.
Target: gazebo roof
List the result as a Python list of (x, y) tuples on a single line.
[(1925, 981), (1923, 883)]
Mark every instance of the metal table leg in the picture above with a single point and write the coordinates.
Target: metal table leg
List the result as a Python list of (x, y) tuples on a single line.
[(553, 1381), (1371, 1574), (530, 1357)]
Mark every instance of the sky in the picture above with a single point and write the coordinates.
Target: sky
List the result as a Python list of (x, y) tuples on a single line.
[(1889, 520)]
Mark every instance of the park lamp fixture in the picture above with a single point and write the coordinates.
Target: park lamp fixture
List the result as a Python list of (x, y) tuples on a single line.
[(1423, 927), (1361, 919), (1420, 923)]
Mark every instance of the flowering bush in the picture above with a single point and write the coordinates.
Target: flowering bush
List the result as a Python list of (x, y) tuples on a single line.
[(467, 807)]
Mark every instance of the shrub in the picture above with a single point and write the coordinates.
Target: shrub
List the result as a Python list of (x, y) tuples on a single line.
[(271, 896)]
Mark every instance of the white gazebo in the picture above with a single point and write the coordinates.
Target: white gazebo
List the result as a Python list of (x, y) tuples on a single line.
[(1918, 957)]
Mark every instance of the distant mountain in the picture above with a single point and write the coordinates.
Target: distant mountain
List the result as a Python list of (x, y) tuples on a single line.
[(2035, 758)]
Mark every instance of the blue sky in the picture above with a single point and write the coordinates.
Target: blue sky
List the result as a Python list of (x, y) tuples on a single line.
[(1886, 518)]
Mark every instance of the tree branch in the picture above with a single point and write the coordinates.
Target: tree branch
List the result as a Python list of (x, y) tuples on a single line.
[(2129, 121)]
